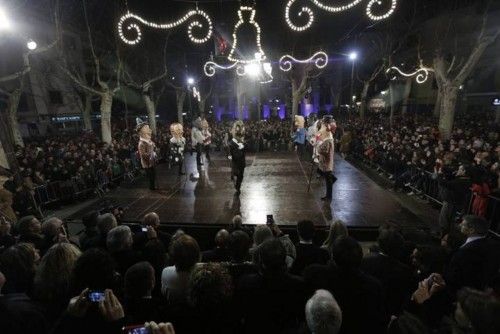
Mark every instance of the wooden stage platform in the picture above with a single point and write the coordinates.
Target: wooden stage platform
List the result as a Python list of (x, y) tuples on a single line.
[(275, 183)]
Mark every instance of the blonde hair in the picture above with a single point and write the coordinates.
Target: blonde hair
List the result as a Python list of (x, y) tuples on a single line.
[(53, 277), (337, 229)]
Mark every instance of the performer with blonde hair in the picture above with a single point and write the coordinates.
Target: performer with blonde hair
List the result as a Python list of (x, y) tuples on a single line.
[(208, 138), (177, 145), (325, 149)]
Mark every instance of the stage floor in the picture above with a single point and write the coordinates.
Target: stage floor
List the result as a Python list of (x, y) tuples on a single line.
[(275, 183)]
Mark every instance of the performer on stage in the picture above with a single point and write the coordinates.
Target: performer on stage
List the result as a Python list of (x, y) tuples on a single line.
[(237, 154), (208, 138), (299, 137), (197, 139), (177, 144), (325, 149), (146, 149)]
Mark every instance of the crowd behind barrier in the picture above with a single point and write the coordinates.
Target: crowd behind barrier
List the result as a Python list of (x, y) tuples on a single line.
[(461, 174)]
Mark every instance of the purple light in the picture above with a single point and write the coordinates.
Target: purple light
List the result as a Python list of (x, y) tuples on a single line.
[(282, 111), (266, 111)]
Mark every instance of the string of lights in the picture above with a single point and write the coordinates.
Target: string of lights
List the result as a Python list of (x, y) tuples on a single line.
[(134, 27), (421, 74), (309, 13), (320, 60)]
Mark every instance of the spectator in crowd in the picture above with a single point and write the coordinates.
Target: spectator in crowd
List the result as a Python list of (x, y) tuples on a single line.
[(151, 222), (119, 244), (6, 238), (307, 252), (184, 254), (323, 314), (82, 316), (19, 314), (237, 225), (239, 265), (476, 262), (261, 234), (89, 220), (291, 253), (221, 251), (105, 223), (53, 232), (477, 311), (29, 229), (359, 295), (210, 298), (140, 305), (18, 264), (272, 300), (397, 278), (94, 270), (6, 201), (52, 282), (337, 229)]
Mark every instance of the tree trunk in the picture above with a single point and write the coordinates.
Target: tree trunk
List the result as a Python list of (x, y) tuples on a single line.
[(13, 104), (439, 101), (181, 96), (201, 107), (364, 95), (106, 104), (295, 104), (406, 95), (447, 115), (392, 102), (86, 113), (497, 115), (151, 108)]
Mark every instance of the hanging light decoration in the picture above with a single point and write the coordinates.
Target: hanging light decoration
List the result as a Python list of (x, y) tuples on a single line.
[(421, 74), (320, 60), (309, 13), (254, 66), (127, 22)]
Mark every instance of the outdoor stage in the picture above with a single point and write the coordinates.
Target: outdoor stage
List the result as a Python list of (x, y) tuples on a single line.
[(275, 183)]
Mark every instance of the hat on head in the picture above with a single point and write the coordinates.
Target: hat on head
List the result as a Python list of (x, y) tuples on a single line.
[(328, 119), (140, 124)]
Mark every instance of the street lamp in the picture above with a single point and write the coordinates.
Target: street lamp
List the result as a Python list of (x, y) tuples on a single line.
[(4, 21), (190, 81), (353, 55), (31, 45)]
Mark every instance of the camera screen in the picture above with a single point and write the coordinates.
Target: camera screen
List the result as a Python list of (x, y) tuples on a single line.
[(96, 296)]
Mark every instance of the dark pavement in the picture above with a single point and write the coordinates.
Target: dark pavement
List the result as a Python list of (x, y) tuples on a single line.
[(275, 183)]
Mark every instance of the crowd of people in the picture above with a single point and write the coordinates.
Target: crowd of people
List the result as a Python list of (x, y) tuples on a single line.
[(257, 280), (413, 154)]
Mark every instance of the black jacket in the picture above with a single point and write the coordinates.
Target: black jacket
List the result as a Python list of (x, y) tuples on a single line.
[(308, 254), (396, 278), (360, 296), (238, 156), (270, 303), (474, 264)]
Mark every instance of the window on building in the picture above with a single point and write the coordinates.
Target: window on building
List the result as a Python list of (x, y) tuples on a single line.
[(55, 97)]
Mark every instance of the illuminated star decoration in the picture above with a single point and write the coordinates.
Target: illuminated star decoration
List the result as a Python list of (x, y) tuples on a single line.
[(421, 74), (130, 21), (309, 13), (246, 66), (320, 60)]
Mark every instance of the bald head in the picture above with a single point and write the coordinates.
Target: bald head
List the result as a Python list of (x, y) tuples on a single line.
[(222, 239), (323, 314)]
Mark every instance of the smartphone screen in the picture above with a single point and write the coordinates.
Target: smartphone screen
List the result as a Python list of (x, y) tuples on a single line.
[(96, 296), (135, 330), (144, 229), (270, 219)]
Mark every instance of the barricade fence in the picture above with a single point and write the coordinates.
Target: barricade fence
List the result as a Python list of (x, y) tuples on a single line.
[(426, 184)]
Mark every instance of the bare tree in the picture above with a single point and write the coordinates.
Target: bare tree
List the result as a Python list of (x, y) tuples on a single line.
[(105, 90), (450, 76), (14, 95)]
